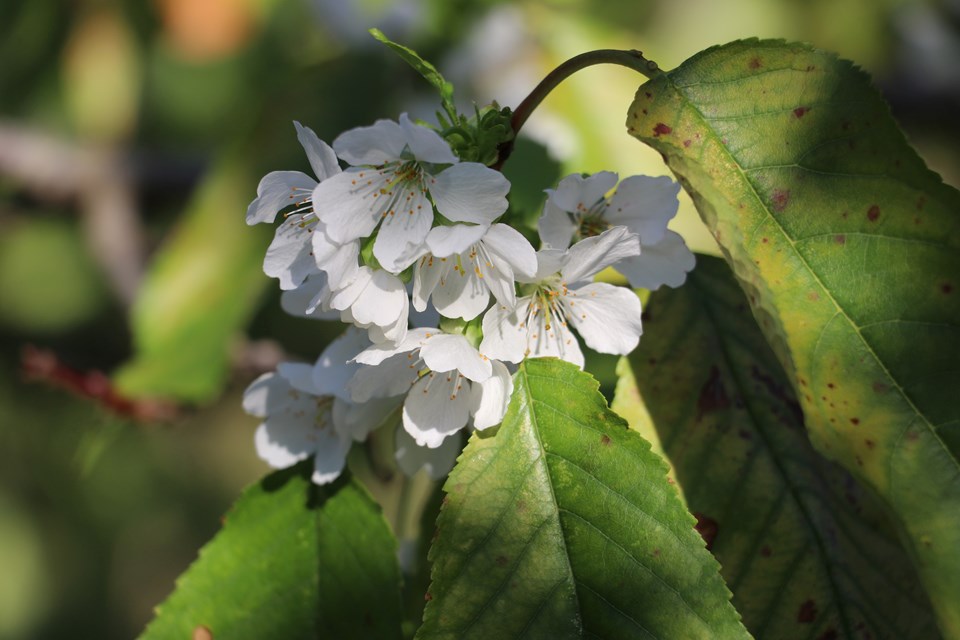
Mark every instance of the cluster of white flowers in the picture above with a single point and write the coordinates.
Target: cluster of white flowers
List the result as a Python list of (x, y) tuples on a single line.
[(408, 222)]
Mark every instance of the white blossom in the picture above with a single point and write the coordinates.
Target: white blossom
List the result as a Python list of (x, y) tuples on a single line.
[(562, 295), (297, 422), (578, 208), (289, 256), (468, 263), (400, 171), (446, 382)]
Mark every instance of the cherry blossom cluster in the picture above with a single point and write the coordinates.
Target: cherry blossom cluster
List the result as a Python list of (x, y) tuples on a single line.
[(410, 245)]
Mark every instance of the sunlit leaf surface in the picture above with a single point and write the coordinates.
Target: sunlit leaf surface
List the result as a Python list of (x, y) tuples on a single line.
[(293, 560), (563, 525), (803, 548), (849, 250)]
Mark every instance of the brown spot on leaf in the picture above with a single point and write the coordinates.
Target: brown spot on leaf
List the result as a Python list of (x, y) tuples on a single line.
[(799, 112), (946, 288), (766, 551), (780, 199), (755, 63), (656, 552), (810, 67), (840, 239), (744, 434), (855, 421), (807, 612), (880, 387), (829, 634), (873, 213), (813, 296), (502, 561), (713, 395), (427, 597), (830, 385), (661, 130), (708, 528), (202, 633), (870, 443), (648, 94), (605, 440), (645, 112), (687, 143)]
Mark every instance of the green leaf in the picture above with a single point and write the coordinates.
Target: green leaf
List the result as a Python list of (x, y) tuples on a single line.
[(201, 290), (563, 525), (424, 68), (294, 560), (805, 550), (849, 250)]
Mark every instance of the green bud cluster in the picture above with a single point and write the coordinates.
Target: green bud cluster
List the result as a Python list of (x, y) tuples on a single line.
[(478, 138)]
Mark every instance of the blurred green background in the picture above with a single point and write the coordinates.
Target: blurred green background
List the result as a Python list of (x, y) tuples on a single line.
[(132, 137)]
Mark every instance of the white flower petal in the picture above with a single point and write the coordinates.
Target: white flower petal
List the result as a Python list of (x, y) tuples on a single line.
[(305, 300), (426, 144), (665, 263), (590, 256), (331, 456), (400, 239), (548, 336), (391, 377), (281, 444), (349, 203), (436, 408), (645, 205), (291, 434), (577, 194), (299, 375), (469, 192), (265, 395), (438, 462), (556, 227), (549, 263), (498, 276), (322, 158), (448, 352), (339, 261), (334, 368), (426, 275), (491, 397), (373, 297), (277, 190), (357, 420), (607, 317), (444, 242), (289, 255), (509, 244), (377, 144), (461, 293), (377, 353), (504, 332)]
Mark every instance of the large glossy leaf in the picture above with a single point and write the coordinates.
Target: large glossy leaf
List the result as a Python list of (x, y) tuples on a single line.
[(849, 250), (293, 560), (201, 289), (804, 549), (563, 525)]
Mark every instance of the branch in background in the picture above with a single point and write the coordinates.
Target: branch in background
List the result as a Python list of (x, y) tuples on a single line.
[(42, 365), (101, 184)]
